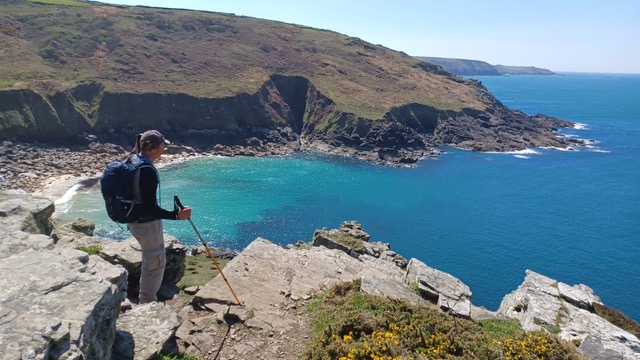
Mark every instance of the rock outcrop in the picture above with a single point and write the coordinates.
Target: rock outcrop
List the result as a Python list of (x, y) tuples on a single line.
[(270, 281), (144, 331), (59, 302), (56, 302), (351, 238), (440, 288), (541, 303)]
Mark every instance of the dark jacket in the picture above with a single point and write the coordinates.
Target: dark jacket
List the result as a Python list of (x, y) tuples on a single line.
[(148, 184)]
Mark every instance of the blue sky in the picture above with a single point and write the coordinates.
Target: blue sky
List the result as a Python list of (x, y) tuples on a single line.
[(560, 35)]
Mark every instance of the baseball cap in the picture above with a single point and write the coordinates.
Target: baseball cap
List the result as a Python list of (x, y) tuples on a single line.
[(154, 137)]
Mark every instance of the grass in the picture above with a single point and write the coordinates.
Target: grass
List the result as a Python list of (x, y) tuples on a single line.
[(91, 250), (500, 328), (198, 272), (177, 357), (211, 55), (348, 324), (60, 2), (346, 240)]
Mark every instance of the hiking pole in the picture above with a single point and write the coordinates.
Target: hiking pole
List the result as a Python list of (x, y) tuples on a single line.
[(177, 202)]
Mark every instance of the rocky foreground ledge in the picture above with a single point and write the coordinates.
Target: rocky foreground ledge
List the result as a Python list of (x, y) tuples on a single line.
[(60, 303)]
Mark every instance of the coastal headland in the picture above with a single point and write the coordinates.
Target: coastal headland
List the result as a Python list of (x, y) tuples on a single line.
[(81, 79)]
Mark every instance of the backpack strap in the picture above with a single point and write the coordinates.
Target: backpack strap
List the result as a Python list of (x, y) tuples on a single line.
[(137, 195), (138, 162)]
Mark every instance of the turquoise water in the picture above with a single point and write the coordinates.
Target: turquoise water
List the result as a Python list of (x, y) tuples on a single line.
[(484, 218)]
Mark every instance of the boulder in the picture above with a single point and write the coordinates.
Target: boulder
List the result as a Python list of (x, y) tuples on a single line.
[(128, 254), (541, 303), (144, 331), (440, 288), (83, 226), (59, 303)]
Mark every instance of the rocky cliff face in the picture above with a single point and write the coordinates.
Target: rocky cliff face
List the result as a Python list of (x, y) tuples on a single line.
[(285, 111)]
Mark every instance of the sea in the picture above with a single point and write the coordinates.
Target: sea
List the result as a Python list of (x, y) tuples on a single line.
[(485, 218)]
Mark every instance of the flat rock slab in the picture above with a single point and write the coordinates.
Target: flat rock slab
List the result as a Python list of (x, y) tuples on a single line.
[(266, 276)]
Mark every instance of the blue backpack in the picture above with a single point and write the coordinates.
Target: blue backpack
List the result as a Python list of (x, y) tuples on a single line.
[(117, 186)]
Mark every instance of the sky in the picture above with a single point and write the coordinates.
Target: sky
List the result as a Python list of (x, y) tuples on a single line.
[(559, 35)]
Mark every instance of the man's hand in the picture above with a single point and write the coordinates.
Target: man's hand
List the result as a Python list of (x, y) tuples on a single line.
[(184, 213)]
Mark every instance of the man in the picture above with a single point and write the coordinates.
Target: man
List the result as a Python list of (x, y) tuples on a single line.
[(148, 228)]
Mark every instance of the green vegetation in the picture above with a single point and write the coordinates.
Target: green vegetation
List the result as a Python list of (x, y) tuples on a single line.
[(198, 272), (553, 329), (497, 328), (60, 2), (618, 319), (348, 324), (347, 240), (251, 313), (11, 118), (211, 55), (91, 250), (177, 357)]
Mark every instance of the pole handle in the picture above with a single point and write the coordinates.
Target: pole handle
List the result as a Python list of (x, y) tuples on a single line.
[(177, 202)]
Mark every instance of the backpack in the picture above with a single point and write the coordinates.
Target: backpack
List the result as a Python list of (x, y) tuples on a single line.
[(117, 186)]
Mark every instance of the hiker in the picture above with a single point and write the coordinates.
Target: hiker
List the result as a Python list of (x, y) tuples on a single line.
[(148, 228)]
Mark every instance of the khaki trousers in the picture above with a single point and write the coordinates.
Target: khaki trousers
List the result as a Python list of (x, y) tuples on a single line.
[(151, 240)]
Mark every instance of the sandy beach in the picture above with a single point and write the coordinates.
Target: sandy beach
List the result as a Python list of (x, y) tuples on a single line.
[(51, 172)]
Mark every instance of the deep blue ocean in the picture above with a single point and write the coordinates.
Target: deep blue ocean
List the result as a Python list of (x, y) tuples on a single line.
[(484, 218)]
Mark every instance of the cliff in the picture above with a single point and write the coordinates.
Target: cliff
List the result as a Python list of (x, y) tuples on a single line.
[(87, 73), (59, 302), (481, 68)]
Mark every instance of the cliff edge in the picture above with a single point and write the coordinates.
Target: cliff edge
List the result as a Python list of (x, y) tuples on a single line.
[(59, 302)]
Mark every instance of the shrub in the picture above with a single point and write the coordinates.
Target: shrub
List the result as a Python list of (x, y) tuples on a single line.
[(617, 318), (349, 325)]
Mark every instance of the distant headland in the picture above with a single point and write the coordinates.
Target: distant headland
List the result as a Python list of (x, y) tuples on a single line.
[(466, 67)]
